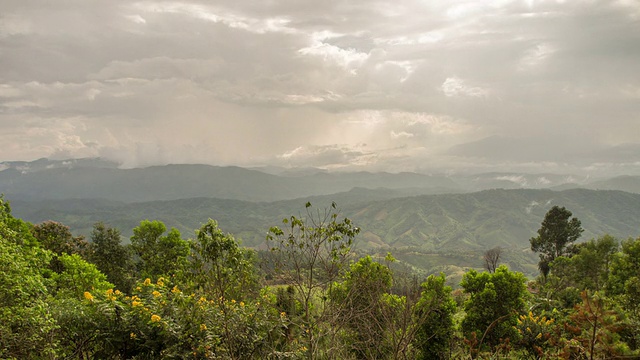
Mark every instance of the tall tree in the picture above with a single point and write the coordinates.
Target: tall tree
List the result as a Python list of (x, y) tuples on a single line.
[(58, 238), (494, 304), (361, 308), (311, 253), (558, 231), (434, 314), (220, 268), (111, 257), (158, 254)]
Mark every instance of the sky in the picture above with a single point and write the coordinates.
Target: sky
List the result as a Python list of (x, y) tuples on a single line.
[(428, 86)]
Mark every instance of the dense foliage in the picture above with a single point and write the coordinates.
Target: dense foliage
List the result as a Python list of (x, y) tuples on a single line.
[(165, 297)]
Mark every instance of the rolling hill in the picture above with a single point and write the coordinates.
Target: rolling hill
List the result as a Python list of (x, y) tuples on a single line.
[(444, 232)]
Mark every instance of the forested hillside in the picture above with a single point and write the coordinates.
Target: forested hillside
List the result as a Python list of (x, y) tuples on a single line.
[(447, 232)]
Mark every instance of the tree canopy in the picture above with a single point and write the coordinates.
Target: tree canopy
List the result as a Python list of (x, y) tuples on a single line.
[(558, 231)]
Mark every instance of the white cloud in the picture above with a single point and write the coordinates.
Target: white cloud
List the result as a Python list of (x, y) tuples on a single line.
[(454, 86), (401, 134), (518, 179), (350, 59), (137, 19), (327, 156), (535, 56), (210, 13)]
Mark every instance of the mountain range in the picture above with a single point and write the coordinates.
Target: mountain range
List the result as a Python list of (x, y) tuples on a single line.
[(430, 223), (98, 178)]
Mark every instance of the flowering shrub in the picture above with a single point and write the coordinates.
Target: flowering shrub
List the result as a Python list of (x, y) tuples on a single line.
[(535, 333)]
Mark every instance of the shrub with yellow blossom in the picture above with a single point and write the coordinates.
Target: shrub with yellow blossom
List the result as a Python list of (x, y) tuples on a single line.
[(535, 332)]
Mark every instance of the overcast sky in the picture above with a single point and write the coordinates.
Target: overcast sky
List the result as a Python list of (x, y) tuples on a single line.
[(429, 86)]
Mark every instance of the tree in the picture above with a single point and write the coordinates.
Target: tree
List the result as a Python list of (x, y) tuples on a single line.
[(494, 304), (158, 254), (220, 268), (26, 325), (111, 257), (57, 238), (589, 267), (624, 285), (14, 229), (491, 258), (434, 312), (594, 327), (311, 253), (557, 232), (361, 307), (78, 276)]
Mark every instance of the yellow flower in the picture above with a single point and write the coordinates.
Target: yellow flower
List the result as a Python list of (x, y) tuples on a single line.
[(203, 327), (283, 314), (132, 335), (160, 282), (135, 303), (155, 318), (241, 303), (156, 293), (175, 290), (118, 293), (528, 329), (147, 281), (109, 294), (233, 301), (88, 296), (539, 336)]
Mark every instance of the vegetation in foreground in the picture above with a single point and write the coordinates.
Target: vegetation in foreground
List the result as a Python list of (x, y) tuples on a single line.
[(307, 296)]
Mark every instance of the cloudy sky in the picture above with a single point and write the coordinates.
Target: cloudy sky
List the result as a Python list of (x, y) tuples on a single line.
[(425, 86)]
